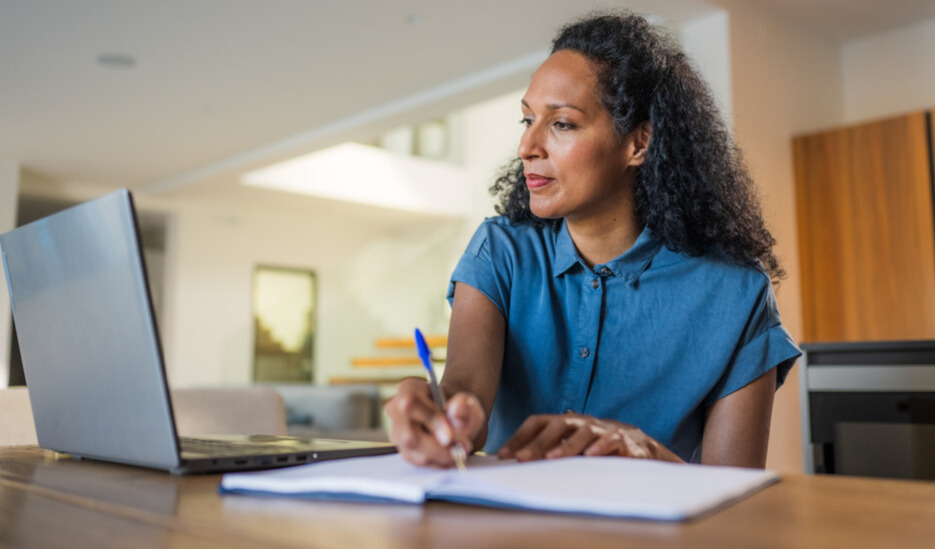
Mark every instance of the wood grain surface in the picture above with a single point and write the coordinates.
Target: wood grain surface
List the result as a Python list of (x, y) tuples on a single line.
[(866, 235), (51, 500)]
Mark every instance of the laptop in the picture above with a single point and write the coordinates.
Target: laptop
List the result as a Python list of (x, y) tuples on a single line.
[(92, 357)]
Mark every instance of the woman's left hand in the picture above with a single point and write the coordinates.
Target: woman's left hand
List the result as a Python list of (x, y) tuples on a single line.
[(563, 435)]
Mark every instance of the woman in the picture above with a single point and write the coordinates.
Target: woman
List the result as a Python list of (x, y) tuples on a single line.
[(622, 302)]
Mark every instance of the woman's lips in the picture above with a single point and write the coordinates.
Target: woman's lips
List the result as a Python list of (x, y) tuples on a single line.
[(536, 181)]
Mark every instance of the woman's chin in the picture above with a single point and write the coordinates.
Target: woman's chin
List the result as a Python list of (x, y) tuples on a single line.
[(544, 211), (545, 215)]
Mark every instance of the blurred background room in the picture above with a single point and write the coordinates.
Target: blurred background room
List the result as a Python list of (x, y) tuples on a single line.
[(308, 172)]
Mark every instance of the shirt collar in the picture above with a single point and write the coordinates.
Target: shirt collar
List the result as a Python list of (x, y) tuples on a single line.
[(630, 265)]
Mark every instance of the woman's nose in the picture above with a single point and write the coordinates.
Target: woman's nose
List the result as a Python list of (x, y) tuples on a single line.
[(530, 144)]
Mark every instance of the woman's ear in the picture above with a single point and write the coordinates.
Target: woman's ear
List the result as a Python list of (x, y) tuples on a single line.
[(639, 142)]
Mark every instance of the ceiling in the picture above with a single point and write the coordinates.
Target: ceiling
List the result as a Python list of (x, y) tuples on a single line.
[(217, 87)]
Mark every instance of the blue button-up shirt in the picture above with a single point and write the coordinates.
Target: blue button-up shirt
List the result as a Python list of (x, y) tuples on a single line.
[(651, 338)]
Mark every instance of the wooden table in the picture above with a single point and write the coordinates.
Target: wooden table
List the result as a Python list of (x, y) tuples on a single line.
[(51, 500)]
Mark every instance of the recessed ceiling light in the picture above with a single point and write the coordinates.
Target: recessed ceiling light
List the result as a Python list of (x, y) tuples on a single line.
[(116, 61)]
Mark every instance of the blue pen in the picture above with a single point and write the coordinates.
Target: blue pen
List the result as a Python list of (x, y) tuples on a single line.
[(457, 450)]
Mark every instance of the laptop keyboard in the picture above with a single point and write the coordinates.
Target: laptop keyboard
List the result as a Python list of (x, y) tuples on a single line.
[(229, 448)]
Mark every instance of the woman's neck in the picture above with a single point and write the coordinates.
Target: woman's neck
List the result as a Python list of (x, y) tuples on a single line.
[(601, 239)]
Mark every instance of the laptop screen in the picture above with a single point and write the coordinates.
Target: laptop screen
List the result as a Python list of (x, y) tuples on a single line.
[(87, 334)]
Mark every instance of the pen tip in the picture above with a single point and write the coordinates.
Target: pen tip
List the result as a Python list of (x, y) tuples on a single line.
[(460, 457)]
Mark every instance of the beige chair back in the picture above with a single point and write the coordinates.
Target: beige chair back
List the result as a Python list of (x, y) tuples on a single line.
[(229, 411), (220, 411), (16, 425)]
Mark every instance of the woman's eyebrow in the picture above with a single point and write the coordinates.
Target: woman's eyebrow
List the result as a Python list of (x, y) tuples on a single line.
[(555, 106)]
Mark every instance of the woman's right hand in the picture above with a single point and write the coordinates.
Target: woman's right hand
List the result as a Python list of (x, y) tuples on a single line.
[(423, 435)]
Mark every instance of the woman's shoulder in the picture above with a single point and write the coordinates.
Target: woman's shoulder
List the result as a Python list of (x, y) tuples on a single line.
[(714, 269), (502, 229), (507, 243), (504, 223)]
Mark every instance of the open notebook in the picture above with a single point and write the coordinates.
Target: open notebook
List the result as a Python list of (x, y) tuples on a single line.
[(606, 486)]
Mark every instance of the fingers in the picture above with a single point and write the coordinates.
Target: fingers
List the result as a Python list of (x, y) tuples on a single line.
[(419, 430), (574, 444), (526, 432), (467, 418), (556, 436), (422, 433), (610, 444), (628, 442), (536, 436)]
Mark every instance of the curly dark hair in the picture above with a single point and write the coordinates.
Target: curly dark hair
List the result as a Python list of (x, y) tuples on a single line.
[(693, 190)]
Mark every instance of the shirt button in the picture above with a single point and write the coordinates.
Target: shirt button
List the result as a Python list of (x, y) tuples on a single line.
[(584, 352), (605, 271), (595, 283)]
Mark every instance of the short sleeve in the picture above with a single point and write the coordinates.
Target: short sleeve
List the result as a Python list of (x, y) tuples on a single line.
[(767, 346), (477, 268)]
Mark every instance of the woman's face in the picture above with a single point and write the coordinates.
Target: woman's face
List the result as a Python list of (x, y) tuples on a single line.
[(576, 165)]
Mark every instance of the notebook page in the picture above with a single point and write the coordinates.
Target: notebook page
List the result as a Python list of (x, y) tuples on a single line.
[(610, 486), (377, 477), (381, 477)]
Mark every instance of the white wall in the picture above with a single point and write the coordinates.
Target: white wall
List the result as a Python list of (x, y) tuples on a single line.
[(707, 41), (890, 73), (214, 245), (9, 190), (490, 134), (393, 283), (786, 80)]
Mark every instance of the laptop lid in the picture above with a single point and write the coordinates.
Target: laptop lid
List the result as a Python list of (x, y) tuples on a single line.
[(87, 335)]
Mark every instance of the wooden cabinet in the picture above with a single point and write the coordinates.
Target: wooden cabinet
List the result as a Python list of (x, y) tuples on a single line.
[(866, 234)]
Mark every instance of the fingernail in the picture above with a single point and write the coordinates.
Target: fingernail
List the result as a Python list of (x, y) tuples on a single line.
[(524, 454), (443, 435)]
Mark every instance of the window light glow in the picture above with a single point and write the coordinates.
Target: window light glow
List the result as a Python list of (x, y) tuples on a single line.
[(367, 175)]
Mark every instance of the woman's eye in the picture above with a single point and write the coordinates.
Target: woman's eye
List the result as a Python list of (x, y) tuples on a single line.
[(563, 125), (526, 122)]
